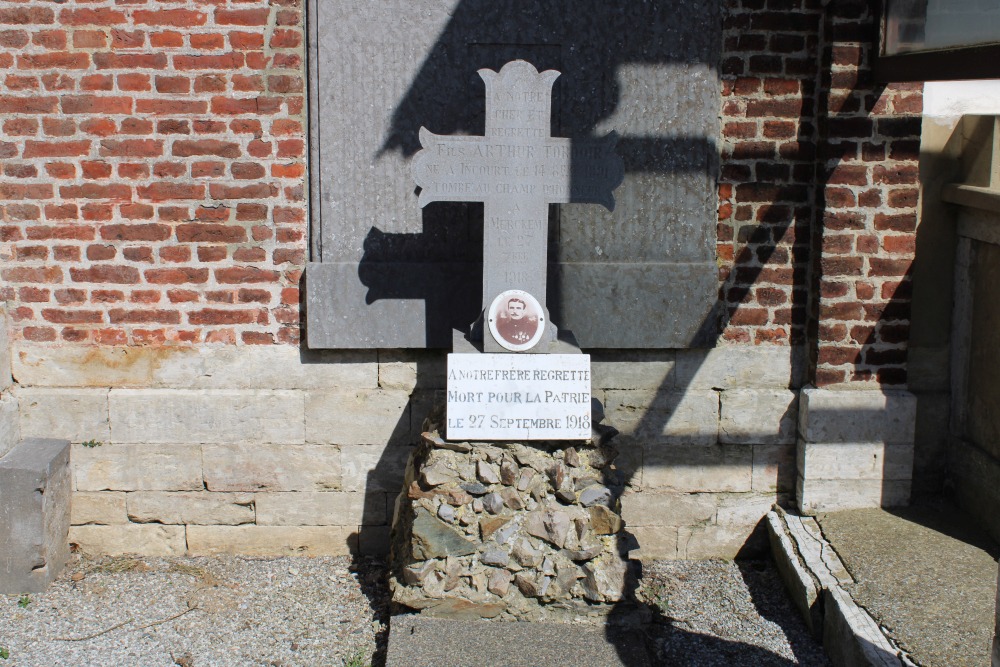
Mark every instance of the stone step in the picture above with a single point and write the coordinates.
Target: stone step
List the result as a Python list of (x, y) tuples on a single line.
[(417, 641)]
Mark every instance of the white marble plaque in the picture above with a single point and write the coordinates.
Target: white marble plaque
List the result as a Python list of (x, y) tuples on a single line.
[(518, 397)]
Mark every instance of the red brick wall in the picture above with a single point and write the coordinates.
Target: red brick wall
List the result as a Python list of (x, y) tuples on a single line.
[(153, 178), (818, 188), (153, 171), (870, 175)]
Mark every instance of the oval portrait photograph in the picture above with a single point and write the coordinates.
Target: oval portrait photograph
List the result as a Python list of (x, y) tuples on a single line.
[(516, 320)]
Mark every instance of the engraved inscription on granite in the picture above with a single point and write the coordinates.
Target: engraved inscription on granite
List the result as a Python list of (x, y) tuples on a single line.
[(517, 169), (518, 397)]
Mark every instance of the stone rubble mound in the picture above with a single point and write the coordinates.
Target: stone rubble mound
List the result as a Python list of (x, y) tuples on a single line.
[(483, 530)]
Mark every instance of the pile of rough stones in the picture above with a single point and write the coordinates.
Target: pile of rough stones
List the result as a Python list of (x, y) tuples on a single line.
[(508, 530)]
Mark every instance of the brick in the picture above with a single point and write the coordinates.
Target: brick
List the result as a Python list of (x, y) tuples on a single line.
[(210, 233), (98, 507), (150, 540), (135, 232), (190, 507), (188, 148), (215, 416), (137, 467), (166, 191), (321, 509), (254, 468), (241, 275), (271, 540), (181, 18), (131, 148), (105, 274), (242, 17)]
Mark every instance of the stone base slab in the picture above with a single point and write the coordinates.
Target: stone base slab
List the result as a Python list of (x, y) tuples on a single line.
[(34, 514)]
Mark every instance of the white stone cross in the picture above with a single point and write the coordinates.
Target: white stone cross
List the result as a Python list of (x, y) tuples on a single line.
[(517, 169)]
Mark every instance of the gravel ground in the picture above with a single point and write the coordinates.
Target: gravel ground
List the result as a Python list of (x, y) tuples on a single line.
[(284, 612), (726, 614)]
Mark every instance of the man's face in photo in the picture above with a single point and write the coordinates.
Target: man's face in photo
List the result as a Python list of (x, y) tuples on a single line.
[(515, 309)]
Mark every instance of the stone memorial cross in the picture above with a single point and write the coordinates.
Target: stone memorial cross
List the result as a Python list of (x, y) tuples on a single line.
[(517, 169)]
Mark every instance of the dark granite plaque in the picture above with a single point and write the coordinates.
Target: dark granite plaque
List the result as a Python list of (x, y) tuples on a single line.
[(643, 275)]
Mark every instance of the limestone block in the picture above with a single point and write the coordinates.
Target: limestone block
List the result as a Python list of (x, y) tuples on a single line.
[(857, 415), (131, 467), (746, 510), (363, 417), (78, 415), (183, 507), (215, 416), (738, 366), (713, 541), (758, 416), (633, 370), (271, 540), (5, 352), (98, 507), (774, 468), (866, 460), (10, 427), (667, 509), (266, 367), (213, 367), (141, 539), (244, 467), (654, 542), (691, 417), (692, 469), (84, 365), (373, 468), (826, 495), (321, 509), (411, 369), (35, 489)]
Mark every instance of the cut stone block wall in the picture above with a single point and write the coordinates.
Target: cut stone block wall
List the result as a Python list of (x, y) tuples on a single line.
[(855, 448), (186, 453)]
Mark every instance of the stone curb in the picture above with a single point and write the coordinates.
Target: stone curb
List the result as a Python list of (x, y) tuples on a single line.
[(815, 578)]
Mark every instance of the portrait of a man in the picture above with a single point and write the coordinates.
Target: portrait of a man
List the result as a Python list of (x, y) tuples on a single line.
[(515, 324)]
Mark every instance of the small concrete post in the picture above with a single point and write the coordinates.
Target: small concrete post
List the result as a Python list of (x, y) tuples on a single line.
[(34, 514)]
